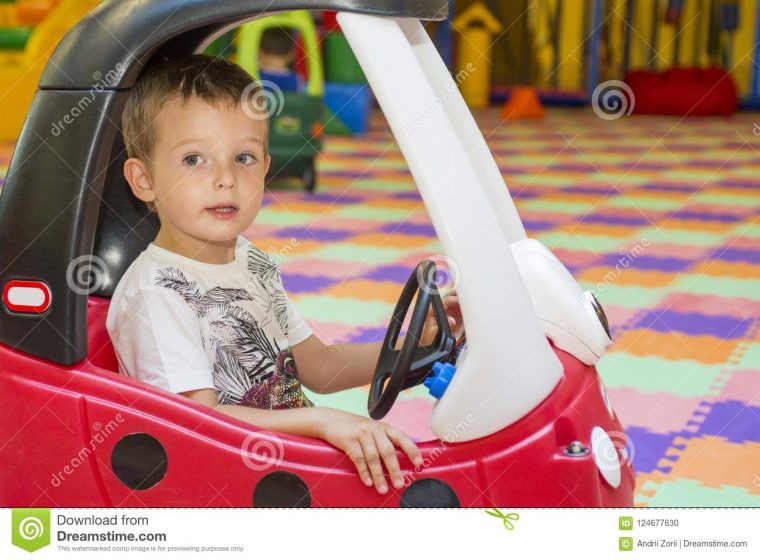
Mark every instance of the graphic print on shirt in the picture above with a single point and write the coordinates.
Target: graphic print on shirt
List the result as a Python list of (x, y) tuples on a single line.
[(249, 367), (261, 267)]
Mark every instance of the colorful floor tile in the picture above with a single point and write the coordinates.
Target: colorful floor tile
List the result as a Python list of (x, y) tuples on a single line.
[(668, 236)]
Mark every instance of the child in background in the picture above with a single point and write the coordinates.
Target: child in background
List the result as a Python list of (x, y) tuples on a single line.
[(277, 55)]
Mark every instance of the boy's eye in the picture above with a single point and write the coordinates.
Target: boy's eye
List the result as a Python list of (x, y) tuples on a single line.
[(192, 159), (245, 158)]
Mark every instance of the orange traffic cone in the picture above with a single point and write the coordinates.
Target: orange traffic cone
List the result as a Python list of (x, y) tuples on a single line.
[(524, 104)]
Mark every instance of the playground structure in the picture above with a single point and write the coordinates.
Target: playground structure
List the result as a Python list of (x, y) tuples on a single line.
[(21, 67), (571, 47)]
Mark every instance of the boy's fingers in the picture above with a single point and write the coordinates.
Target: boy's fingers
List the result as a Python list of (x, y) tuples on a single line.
[(406, 444), (356, 455), (388, 453), (451, 305), (450, 301), (372, 457)]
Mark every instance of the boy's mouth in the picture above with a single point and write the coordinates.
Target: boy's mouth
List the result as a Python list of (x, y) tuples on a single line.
[(223, 211)]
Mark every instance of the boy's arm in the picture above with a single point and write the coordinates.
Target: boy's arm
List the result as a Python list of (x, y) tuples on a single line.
[(330, 368), (326, 368), (298, 421), (369, 444)]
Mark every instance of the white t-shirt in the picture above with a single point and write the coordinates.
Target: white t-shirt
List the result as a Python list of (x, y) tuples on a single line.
[(183, 325)]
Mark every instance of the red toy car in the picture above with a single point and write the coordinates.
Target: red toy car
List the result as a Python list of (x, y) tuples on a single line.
[(522, 417)]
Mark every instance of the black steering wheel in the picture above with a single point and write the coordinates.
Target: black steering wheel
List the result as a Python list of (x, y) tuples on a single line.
[(410, 365)]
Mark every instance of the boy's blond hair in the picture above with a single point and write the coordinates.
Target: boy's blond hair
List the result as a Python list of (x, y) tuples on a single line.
[(213, 79)]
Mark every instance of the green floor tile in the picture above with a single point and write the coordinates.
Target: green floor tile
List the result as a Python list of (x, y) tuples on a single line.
[(683, 237), (578, 242), (283, 218), (349, 311), (373, 213), (351, 400), (683, 378), (363, 254), (718, 285), (643, 203), (690, 493), (627, 295)]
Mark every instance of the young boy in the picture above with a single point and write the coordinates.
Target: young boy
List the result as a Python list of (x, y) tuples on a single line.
[(202, 312), (277, 54)]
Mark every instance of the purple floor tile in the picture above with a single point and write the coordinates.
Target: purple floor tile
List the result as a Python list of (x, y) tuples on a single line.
[(634, 219), (330, 197), (296, 283), (407, 195), (410, 229), (589, 190), (647, 448), (574, 167), (733, 420), (750, 184), (314, 234), (643, 262), (670, 188), (523, 194), (696, 324), (364, 154), (351, 174), (707, 216), (651, 165), (390, 273), (538, 225), (746, 255)]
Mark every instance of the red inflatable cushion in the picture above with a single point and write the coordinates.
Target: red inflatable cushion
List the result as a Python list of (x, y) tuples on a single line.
[(683, 91)]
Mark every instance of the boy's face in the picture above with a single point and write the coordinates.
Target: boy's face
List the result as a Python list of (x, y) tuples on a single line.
[(206, 176)]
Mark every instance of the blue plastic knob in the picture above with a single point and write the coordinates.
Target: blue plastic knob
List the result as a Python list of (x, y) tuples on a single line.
[(439, 381)]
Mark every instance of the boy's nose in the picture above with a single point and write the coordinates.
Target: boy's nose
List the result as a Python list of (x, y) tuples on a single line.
[(225, 178)]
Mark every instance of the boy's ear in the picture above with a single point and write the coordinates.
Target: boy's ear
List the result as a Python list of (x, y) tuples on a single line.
[(137, 175), (267, 163)]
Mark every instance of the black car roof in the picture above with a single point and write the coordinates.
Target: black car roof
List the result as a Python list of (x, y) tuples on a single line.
[(132, 29), (64, 194)]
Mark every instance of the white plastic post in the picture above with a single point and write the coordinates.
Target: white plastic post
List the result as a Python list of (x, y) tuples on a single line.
[(565, 312), (462, 120), (508, 367)]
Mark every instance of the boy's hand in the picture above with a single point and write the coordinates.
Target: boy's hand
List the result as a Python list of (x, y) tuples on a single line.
[(453, 312), (368, 444)]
